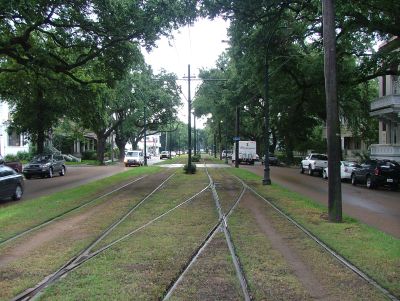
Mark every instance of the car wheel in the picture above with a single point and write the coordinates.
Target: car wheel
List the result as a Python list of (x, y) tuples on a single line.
[(50, 174), (62, 171), (353, 179), (301, 168), (310, 171), (324, 175), (17, 193), (28, 176), (370, 183)]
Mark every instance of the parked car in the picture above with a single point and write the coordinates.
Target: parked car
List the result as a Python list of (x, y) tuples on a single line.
[(314, 163), (375, 173), (271, 159), (11, 183), (16, 165), (164, 155), (346, 169), (226, 153), (45, 165), (134, 157)]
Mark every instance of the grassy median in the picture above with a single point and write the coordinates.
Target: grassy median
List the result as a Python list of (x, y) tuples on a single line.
[(374, 252)]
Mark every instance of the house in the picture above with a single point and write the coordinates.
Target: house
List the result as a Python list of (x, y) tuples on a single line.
[(10, 142), (387, 110)]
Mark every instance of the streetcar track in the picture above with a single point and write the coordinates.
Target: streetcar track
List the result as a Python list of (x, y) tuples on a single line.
[(58, 217), (220, 225), (330, 251), (85, 255)]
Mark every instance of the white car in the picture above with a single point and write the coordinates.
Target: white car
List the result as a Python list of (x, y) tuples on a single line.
[(134, 157), (346, 168)]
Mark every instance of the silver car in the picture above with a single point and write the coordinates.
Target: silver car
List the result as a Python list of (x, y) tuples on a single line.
[(346, 168), (134, 157)]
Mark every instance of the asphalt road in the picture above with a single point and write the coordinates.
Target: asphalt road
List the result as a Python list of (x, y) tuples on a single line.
[(378, 208)]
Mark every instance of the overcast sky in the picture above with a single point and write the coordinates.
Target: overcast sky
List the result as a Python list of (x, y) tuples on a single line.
[(198, 45)]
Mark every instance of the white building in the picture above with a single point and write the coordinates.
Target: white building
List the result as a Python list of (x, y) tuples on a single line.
[(387, 110), (10, 143), (153, 144)]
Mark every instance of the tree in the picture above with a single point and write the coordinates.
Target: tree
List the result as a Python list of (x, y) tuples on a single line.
[(64, 36)]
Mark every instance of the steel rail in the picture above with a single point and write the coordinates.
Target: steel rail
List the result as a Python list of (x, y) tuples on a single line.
[(218, 226), (341, 259), (53, 219), (85, 256), (80, 258), (236, 261)]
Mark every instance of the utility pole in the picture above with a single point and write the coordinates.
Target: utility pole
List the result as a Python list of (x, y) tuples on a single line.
[(267, 179), (226, 141), (189, 125), (194, 135), (145, 137), (332, 113), (237, 138)]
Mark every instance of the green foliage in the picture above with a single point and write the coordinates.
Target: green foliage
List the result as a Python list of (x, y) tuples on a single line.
[(24, 156), (196, 158), (190, 169), (89, 155), (10, 158)]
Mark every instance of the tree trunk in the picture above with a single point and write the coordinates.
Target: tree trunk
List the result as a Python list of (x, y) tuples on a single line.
[(121, 141), (40, 130), (332, 112), (101, 146)]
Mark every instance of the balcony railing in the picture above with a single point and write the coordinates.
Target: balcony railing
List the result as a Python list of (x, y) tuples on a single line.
[(385, 151), (388, 101)]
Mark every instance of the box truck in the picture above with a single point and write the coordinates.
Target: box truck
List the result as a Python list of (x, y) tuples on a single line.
[(247, 152)]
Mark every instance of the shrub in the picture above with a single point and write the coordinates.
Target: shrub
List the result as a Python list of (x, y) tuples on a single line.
[(89, 155), (190, 169), (196, 158), (24, 156), (10, 158)]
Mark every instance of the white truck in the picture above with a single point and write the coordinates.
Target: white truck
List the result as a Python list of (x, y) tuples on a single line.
[(314, 163), (247, 152)]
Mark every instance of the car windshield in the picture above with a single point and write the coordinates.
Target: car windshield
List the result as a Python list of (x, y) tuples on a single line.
[(132, 154), (164, 152), (320, 157), (41, 158)]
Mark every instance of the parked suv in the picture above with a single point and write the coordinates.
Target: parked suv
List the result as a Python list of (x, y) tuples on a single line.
[(45, 165), (375, 173)]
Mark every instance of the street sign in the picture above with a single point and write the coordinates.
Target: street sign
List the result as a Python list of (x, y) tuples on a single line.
[(236, 138)]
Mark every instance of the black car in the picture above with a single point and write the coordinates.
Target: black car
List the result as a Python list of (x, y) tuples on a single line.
[(375, 173), (11, 183), (272, 160), (45, 166)]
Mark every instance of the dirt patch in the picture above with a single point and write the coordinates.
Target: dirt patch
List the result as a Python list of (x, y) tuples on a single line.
[(299, 268), (72, 227)]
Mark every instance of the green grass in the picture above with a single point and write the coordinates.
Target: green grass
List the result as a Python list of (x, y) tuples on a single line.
[(373, 251), (23, 215), (142, 266)]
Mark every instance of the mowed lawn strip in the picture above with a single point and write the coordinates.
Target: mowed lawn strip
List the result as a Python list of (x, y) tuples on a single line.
[(144, 265), (177, 190), (27, 260), (268, 274), (23, 215), (228, 188), (374, 252), (212, 276), (288, 263)]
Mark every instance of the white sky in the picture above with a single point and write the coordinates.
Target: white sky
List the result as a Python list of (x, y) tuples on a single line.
[(198, 45)]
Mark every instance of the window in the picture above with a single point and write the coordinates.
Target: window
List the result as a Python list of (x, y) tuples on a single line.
[(14, 139), (384, 85)]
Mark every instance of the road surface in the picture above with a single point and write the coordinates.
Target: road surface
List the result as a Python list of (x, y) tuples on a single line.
[(379, 208)]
